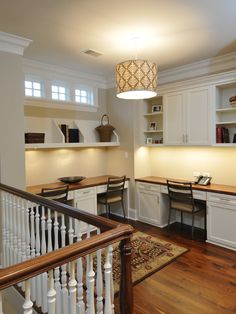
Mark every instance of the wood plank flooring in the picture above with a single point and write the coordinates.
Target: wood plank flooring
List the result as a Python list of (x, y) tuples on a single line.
[(201, 281)]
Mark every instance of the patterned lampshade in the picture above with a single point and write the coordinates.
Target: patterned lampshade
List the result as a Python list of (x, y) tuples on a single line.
[(136, 79)]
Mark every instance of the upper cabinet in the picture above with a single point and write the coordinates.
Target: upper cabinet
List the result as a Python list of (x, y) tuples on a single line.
[(152, 126), (225, 114), (188, 117)]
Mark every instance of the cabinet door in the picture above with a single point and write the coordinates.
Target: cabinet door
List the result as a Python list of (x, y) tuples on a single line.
[(198, 117), (221, 224), (173, 119), (149, 207)]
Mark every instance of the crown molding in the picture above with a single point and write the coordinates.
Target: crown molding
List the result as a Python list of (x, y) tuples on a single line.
[(205, 67), (13, 44), (51, 72)]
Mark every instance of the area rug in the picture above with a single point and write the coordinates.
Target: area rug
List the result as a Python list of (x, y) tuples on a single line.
[(149, 254)]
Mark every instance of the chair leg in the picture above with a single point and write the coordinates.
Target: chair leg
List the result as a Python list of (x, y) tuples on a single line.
[(205, 223), (107, 211), (181, 219), (109, 207), (192, 225), (123, 207)]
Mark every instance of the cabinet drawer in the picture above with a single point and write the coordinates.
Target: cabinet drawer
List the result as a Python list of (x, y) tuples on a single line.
[(70, 195), (199, 195), (221, 199), (85, 192), (149, 187)]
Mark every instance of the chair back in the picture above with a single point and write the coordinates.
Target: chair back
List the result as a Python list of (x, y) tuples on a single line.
[(116, 185), (180, 193), (59, 194)]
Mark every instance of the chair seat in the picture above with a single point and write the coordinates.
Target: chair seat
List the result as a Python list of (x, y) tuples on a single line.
[(198, 206), (110, 199)]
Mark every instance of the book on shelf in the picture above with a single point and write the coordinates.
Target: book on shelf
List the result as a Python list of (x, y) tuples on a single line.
[(65, 130), (73, 135), (222, 135)]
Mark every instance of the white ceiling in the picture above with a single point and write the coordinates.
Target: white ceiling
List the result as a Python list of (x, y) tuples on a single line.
[(171, 32)]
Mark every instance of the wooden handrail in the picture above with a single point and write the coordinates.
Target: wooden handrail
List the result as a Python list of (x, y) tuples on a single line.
[(98, 221), (30, 268)]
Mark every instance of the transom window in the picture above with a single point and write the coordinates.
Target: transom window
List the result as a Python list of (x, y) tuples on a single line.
[(33, 89), (59, 92), (84, 96)]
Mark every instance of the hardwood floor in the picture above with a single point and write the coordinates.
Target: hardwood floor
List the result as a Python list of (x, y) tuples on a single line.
[(201, 281)]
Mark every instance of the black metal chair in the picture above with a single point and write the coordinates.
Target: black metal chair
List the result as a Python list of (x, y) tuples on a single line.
[(114, 194), (181, 199), (59, 194)]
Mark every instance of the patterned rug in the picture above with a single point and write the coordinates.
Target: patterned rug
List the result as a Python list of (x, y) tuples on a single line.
[(149, 254)]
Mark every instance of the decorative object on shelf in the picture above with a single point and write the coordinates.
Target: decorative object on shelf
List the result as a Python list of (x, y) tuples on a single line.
[(149, 140), (34, 138), (152, 126), (136, 79), (156, 108), (222, 135), (74, 179), (73, 135), (232, 101), (105, 130), (65, 130), (234, 138)]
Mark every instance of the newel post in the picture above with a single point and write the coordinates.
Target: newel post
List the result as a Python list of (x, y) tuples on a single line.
[(126, 287)]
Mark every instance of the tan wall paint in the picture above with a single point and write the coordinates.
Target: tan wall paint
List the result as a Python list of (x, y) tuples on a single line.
[(180, 162), (12, 168), (45, 166)]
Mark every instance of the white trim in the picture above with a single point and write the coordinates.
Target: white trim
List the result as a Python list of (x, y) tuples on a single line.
[(222, 245), (132, 213), (13, 44), (49, 71), (58, 104), (205, 67)]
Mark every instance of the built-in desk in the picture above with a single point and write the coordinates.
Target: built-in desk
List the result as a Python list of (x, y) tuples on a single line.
[(84, 193), (152, 203)]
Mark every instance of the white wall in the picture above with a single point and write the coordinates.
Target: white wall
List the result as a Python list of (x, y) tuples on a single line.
[(12, 120)]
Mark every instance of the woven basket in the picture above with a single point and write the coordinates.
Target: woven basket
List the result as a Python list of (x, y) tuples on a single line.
[(105, 130)]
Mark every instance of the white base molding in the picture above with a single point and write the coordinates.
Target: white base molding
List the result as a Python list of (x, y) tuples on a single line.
[(222, 245)]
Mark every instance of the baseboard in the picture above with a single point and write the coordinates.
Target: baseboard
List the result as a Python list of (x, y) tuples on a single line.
[(222, 245), (132, 214)]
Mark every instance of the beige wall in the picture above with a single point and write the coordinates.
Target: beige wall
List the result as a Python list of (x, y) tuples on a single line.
[(45, 166), (180, 162), (12, 168)]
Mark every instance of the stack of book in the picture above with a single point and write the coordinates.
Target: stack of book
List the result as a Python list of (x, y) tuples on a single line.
[(222, 135), (71, 135)]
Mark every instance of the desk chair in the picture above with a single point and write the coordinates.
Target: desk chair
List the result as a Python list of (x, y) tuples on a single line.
[(181, 199), (59, 194), (114, 194)]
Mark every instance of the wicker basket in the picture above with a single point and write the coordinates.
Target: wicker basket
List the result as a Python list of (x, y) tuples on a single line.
[(105, 130)]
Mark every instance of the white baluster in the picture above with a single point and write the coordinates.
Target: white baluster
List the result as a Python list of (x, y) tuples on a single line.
[(107, 268), (111, 277), (80, 304), (49, 225), (32, 244), (28, 304), (15, 229), (57, 269), (72, 289), (23, 229), (1, 311), (71, 231), (44, 276), (87, 269), (99, 283), (27, 229), (51, 294), (11, 229), (64, 290), (38, 278), (90, 288), (19, 231)]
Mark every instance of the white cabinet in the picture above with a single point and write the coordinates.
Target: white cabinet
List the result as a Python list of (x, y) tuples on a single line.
[(188, 117), (86, 200), (151, 204), (221, 219)]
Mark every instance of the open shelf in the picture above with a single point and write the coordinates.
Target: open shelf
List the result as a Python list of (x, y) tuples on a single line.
[(54, 137)]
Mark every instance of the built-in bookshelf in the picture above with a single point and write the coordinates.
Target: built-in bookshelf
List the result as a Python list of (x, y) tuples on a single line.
[(153, 122), (225, 118)]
